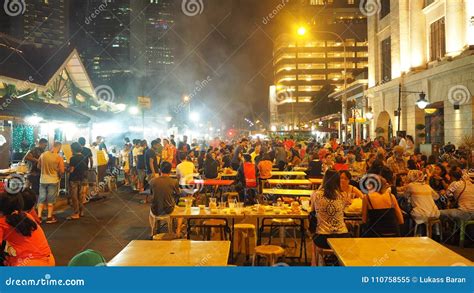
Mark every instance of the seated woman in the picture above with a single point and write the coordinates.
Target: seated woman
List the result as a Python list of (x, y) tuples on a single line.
[(27, 244), (380, 210), (422, 197), (265, 167), (349, 191), (329, 205)]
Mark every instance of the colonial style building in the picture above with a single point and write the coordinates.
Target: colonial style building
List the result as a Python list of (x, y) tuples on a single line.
[(422, 46)]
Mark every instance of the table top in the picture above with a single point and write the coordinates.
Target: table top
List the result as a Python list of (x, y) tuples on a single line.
[(288, 173), (232, 174), (197, 213), (214, 182), (403, 251), (173, 253), (289, 182), (300, 168), (288, 192), (270, 212), (316, 181)]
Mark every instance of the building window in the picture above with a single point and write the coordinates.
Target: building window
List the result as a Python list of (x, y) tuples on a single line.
[(437, 40), (387, 60), (385, 8)]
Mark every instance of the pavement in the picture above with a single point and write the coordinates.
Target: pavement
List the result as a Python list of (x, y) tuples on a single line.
[(111, 223)]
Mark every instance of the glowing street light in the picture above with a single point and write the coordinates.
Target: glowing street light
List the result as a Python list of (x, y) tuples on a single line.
[(301, 31), (168, 118), (186, 99), (134, 110), (194, 116)]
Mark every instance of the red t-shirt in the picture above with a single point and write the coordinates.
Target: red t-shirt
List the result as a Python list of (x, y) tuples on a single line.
[(289, 144), (33, 247)]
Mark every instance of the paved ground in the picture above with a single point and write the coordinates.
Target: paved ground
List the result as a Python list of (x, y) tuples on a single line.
[(110, 224)]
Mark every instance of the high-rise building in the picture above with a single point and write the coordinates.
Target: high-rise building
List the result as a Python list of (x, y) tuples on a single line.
[(152, 50), (124, 43), (41, 22), (422, 46), (327, 45)]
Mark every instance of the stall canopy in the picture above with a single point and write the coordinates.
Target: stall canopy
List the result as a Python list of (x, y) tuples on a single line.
[(21, 108)]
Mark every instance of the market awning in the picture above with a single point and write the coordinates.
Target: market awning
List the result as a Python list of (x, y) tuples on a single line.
[(21, 108)]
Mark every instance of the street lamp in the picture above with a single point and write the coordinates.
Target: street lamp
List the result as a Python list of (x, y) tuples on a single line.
[(134, 110), (421, 102), (168, 118), (194, 116), (301, 31)]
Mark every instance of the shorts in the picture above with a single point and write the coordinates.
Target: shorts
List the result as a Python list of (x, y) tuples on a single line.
[(48, 193), (141, 175)]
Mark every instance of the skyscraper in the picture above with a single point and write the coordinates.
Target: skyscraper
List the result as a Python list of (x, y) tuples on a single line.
[(43, 22), (327, 45)]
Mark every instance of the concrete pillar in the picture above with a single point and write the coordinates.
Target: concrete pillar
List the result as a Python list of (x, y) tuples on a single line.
[(455, 27), (418, 46)]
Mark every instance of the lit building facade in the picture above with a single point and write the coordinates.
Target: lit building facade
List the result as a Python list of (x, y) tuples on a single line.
[(43, 23), (333, 47), (422, 46)]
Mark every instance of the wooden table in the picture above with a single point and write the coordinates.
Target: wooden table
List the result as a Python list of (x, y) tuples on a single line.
[(288, 192), (145, 253), (316, 181), (289, 173), (194, 215), (403, 251), (269, 215), (289, 182)]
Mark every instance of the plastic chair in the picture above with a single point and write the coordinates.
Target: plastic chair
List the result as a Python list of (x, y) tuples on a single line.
[(154, 219), (430, 222), (462, 232)]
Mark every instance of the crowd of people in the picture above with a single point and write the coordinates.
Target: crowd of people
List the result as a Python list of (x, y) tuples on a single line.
[(395, 184)]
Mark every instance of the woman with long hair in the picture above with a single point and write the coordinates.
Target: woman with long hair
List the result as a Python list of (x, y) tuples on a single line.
[(27, 244), (329, 205)]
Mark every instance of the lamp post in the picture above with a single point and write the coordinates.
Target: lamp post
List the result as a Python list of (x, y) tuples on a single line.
[(421, 102)]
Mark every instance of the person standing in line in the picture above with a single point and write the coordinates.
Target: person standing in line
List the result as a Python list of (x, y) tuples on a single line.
[(151, 163), (141, 166), (87, 153), (77, 175), (51, 165), (183, 148), (31, 159)]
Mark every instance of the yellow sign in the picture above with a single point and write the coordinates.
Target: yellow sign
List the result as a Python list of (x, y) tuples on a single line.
[(144, 102)]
